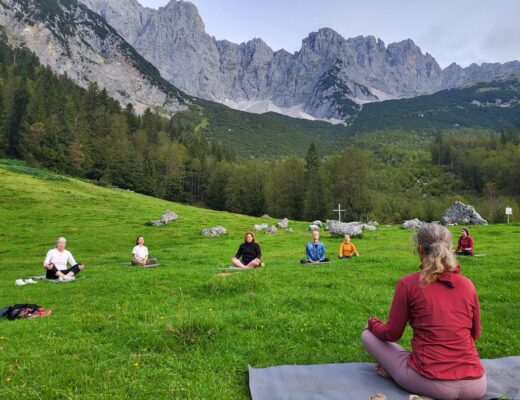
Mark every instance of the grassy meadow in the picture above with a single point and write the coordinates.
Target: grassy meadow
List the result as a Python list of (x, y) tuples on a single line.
[(182, 330)]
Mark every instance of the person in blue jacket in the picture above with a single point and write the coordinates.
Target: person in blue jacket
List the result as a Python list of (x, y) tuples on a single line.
[(315, 250)]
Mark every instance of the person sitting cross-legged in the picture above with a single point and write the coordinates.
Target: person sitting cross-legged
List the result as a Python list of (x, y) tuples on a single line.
[(347, 249), (465, 244), (250, 253), (315, 250), (442, 307), (140, 253), (56, 262)]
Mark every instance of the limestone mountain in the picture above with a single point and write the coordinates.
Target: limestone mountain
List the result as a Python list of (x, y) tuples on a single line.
[(73, 40), (329, 77)]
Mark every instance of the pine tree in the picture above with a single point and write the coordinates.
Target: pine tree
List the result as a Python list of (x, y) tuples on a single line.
[(315, 200)]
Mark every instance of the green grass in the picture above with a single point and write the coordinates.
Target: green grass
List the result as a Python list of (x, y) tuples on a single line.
[(182, 331)]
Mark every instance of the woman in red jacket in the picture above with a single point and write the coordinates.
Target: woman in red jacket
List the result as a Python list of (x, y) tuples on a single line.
[(465, 244), (443, 310)]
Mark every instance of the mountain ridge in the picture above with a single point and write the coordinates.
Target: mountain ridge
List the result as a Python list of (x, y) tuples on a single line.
[(250, 74)]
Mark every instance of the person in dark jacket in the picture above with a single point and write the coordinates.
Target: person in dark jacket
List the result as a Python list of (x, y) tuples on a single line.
[(250, 253)]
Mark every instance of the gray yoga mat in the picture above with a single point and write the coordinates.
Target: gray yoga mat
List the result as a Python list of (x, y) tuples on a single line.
[(357, 381), (129, 264), (44, 278), (233, 268)]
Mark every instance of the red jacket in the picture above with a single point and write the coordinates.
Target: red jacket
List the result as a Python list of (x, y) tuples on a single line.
[(465, 243), (445, 317)]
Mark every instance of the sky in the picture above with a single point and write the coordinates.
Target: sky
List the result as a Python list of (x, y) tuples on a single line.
[(461, 31)]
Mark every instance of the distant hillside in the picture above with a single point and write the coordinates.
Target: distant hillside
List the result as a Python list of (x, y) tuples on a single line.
[(262, 135), (482, 105), (491, 104)]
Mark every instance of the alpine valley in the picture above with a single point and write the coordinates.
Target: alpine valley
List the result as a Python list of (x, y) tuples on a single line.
[(359, 83)]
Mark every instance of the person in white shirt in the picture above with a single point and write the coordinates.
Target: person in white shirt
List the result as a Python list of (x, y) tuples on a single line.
[(56, 262), (140, 253)]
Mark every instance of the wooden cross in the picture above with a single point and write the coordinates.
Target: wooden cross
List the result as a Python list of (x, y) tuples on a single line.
[(339, 211)]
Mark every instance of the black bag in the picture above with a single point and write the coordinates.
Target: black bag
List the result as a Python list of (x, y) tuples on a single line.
[(22, 311)]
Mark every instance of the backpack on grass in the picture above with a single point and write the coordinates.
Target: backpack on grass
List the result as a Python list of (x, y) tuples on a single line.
[(24, 311)]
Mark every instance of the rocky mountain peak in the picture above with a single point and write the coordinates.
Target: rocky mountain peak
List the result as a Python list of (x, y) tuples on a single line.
[(183, 13), (322, 40)]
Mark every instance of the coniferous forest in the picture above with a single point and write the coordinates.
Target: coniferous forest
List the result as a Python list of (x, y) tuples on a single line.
[(50, 122)]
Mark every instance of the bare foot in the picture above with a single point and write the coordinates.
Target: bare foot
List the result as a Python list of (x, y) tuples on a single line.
[(381, 371)]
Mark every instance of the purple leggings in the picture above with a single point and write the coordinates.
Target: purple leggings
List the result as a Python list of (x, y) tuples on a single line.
[(393, 358)]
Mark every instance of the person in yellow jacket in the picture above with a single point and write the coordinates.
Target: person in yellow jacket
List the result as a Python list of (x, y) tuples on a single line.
[(347, 249)]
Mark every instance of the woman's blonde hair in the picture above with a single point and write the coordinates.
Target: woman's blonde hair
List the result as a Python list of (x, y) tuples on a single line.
[(435, 240)]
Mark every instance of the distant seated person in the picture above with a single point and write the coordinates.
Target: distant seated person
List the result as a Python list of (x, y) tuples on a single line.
[(250, 253), (56, 262), (347, 249), (315, 250), (140, 253), (465, 244)]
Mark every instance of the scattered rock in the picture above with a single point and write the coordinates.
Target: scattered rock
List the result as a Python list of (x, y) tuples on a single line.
[(215, 231), (165, 219), (313, 227), (373, 222), (260, 227), (368, 227), (283, 223), (338, 228), (461, 213), (412, 224), (318, 222), (271, 229)]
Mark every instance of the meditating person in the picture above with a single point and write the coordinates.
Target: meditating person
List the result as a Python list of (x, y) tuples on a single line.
[(250, 253), (443, 310), (347, 249), (315, 250), (56, 263), (140, 253), (465, 244)]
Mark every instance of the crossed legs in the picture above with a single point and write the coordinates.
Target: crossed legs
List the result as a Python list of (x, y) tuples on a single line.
[(252, 264)]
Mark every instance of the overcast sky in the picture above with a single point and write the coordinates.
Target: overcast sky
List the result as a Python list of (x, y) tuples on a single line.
[(464, 31)]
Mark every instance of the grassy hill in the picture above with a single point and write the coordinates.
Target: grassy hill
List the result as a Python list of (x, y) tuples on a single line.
[(181, 330)]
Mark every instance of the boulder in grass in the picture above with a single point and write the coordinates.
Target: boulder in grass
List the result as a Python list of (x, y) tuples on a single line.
[(266, 216), (283, 223), (313, 227), (368, 227), (373, 223), (215, 231), (412, 224), (460, 213), (260, 227), (317, 222), (271, 229), (337, 228), (167, 217)]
